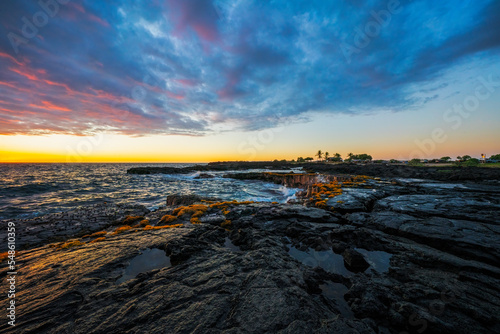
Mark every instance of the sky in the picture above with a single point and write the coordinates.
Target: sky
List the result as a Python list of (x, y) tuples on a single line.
[(209, 80)]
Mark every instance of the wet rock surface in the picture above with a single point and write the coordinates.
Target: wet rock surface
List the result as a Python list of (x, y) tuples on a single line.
[(64, 225), (179, 199), (403, 256), (353, 200)]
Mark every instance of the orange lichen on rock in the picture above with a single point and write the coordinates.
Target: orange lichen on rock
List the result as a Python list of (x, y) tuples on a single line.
[(319, 193), (96, 234), (149, 227), (167, 219), (195, 209), (195, 220), (5, 255), (142, 223), (122, 229), (227, 222), (321, 204), (224, 206), (206, 201), (97, 240), (198, 214), (356, 181), (131, 219), (67, 244)]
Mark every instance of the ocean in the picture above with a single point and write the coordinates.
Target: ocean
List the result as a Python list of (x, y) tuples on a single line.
[(30, 190)]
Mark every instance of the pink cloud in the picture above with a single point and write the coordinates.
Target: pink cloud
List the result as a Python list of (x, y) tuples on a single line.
[(4, 55), (187, 82), (25, 74), (97, 19), (198, 15), (175, 96), (49, 106)]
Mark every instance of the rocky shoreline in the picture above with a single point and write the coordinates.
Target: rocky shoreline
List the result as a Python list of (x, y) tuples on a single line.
[(444, 173), (351, 255)]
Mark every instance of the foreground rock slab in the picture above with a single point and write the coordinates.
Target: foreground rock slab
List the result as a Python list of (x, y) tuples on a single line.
[(413, 260), (64, 225)]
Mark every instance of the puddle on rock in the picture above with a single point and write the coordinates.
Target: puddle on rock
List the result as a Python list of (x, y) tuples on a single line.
[(336, 292), (378, 260), (328, 260), (148, 260), (229, 245)]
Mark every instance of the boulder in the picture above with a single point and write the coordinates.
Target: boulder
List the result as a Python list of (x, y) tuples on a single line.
[(354, 261)]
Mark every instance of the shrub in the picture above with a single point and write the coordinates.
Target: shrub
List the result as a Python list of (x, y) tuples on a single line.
[(471, 162), (415, 162)]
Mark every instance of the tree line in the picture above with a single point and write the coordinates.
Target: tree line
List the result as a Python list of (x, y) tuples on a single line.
[(337, 157)]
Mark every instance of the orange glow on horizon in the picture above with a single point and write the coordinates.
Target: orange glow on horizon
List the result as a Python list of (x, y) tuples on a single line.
[(37, 157)]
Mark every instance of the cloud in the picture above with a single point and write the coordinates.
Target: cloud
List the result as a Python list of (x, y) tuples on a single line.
[(195, 67), (199, 16)]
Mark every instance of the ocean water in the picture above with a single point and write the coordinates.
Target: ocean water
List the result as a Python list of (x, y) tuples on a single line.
[(30, 190)]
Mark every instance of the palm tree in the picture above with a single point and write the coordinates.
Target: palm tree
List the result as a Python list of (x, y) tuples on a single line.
[(350, 156), (326, 155), (319, 154), (338, 156)]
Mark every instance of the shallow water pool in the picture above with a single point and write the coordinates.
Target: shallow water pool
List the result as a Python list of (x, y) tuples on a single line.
[(148, 260)]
